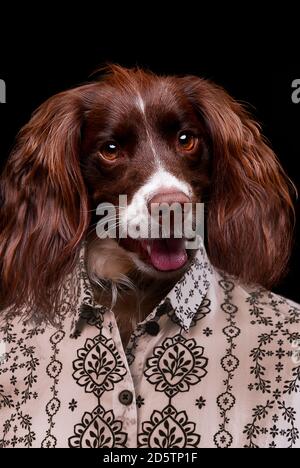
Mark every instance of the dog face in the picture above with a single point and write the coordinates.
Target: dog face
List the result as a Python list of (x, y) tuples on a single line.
[(145, 140), (154, 139)]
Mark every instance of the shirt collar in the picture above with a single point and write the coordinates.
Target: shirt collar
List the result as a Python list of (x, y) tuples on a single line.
[(185, 298)]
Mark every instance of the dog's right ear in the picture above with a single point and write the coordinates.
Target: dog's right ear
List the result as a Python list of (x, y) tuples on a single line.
[(44, 204)]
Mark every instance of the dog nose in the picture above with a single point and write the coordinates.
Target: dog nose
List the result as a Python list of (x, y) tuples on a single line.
[(168, 196)]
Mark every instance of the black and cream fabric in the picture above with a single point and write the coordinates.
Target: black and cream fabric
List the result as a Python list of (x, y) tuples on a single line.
[(216, 364)]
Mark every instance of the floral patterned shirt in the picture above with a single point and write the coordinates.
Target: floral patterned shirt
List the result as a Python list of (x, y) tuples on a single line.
[(215, 364)]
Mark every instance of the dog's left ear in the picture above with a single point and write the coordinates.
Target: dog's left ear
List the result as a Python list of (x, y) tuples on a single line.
[(250, 212)]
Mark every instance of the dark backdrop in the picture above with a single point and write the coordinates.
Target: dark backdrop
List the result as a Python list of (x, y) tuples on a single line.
[(34, 71)]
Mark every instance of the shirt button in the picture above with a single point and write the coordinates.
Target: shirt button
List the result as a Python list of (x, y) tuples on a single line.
[(152, 328), (126, 397)]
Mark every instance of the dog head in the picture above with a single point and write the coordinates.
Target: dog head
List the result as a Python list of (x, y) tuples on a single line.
[(144, 139)]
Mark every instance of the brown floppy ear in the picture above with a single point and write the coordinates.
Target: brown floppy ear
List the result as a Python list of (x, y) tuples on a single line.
[(250, 212), (44, 204)]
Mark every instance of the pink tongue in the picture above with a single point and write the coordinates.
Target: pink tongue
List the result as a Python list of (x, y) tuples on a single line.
[(168, 254)]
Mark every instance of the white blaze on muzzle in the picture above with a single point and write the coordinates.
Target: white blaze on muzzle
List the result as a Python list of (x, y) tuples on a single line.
[(135, 216)]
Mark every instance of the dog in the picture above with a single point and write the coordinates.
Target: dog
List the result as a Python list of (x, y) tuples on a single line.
[(155, 139)]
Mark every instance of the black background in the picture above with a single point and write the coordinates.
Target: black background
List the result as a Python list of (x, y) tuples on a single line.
[(36, 64)]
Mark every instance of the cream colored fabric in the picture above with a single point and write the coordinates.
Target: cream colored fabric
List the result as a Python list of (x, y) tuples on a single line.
[(223, 370)]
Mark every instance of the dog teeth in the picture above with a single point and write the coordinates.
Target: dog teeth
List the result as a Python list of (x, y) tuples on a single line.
[(148, 249)]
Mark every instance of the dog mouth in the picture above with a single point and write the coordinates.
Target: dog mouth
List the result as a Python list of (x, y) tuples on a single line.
[(162, 254)]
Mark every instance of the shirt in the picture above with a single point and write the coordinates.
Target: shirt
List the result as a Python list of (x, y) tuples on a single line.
[(215, 364)]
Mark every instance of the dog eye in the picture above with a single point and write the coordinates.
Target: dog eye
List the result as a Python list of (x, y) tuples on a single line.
[(186, 141), (110, 151)]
